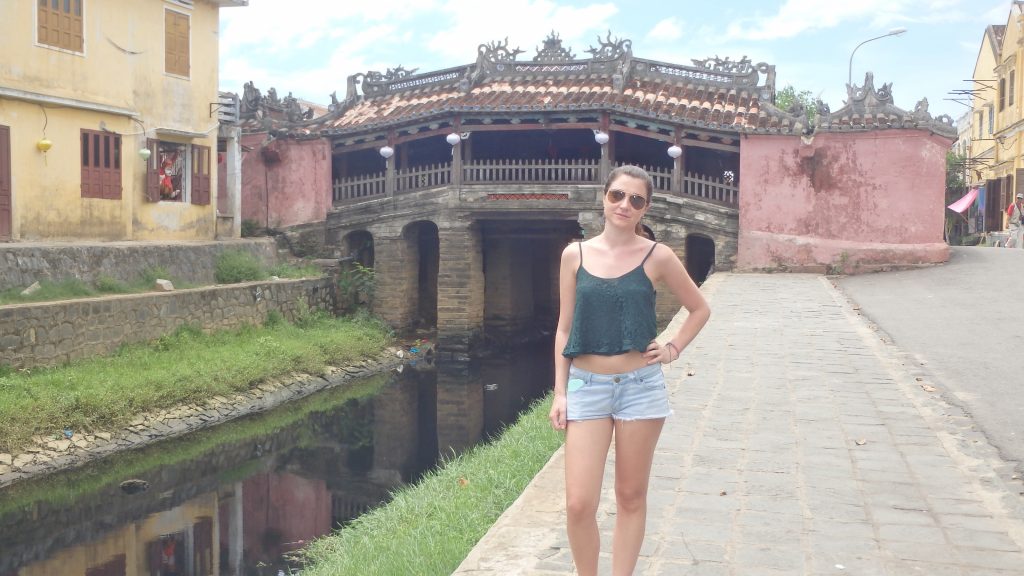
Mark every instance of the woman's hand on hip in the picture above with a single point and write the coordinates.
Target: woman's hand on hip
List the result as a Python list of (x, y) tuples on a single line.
[(557, 414)]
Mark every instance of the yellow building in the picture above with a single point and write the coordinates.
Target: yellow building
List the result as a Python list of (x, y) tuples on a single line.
[(981, 148), (108, 119)]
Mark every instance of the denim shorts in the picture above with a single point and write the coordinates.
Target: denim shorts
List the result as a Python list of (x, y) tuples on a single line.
[(636, 395)]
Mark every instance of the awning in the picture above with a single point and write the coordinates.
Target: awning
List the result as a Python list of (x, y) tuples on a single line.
[(964, 203)]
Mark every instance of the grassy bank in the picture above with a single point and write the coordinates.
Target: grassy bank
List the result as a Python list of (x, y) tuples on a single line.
[(430, 527), (188, 366), (66, 489)]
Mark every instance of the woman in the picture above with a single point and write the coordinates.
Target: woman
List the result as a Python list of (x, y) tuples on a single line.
[(608, 378)]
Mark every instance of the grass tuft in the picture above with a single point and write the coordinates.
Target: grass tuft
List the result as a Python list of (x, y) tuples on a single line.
[(429, 528), (180, 368)]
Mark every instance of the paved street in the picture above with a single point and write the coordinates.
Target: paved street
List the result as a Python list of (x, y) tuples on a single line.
[(962, 323), (802, 443)]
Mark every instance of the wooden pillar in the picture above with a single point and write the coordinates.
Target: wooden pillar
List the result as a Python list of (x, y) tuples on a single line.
[(607, 150), (389, 174)]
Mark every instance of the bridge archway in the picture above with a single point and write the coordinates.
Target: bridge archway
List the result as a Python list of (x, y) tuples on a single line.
[(359, 247), (424, 243), (700, 257)]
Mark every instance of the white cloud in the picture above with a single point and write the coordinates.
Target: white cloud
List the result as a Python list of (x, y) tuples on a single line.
[(668, 30), (797, 16), (526, 23)]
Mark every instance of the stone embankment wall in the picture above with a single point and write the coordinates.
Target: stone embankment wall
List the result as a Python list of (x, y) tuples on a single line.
[(49, 333), (192, 262)]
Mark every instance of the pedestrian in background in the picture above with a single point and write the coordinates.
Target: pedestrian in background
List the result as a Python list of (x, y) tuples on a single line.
[(1015, 214), (609, 383)]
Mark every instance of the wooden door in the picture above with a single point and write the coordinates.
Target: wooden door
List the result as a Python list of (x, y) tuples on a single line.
[(5, 183)]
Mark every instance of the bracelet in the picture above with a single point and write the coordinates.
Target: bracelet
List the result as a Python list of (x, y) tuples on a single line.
[(673, 346)]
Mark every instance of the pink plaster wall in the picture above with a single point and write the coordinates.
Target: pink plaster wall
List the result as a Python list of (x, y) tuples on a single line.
[(299, 183), (282, 512), (842, 202)]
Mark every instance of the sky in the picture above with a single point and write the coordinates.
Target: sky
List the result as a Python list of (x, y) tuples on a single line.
[(310, 47)]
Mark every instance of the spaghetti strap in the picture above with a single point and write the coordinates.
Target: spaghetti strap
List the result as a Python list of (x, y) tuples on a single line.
[(645, 257), (580, 244)]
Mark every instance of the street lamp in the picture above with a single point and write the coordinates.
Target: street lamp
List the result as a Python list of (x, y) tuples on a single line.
[(893, 32)]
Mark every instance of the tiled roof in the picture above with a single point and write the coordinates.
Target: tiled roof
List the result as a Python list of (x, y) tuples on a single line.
[(678, 101), (715, 94)]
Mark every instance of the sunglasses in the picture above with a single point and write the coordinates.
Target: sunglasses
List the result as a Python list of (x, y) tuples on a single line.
[(637, 201)]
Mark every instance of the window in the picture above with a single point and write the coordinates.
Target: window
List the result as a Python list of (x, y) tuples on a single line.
[(991, 120), (1002, 94), (176, 43), (101, 165), (59, 24), (1013, 84), (178, 173), (981, 124)]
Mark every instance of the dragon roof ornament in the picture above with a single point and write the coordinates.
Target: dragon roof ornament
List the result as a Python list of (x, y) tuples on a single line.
[(868, 107), (553, 50), (269, 108), (609, 49)]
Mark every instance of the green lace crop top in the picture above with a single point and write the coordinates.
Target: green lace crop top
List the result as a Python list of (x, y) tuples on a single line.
[(612, 315)]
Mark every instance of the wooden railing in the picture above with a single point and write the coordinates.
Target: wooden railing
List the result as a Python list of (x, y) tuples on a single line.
[(423, 177), (662, 177), (527, 171), (582, 171), (358, 187), (710, 188)]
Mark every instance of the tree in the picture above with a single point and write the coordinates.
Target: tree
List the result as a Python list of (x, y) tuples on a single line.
[(788, 98), (956, 187)]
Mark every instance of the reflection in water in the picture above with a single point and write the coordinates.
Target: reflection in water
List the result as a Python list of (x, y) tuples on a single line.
[(235, 499)]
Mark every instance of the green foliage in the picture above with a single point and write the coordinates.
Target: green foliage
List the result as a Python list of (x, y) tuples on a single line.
[(250, 228), (105, 393), (786, 98), (274, 318), (287, 270), (152, 274), (306, 316), (355, 285), (108, 285), (430, 527), (235, 266), (49, 291)]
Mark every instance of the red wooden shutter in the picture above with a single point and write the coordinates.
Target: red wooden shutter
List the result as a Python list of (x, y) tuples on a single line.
[(110, 177), (200, 174), (101, 165), (152, 175), (90, 162)]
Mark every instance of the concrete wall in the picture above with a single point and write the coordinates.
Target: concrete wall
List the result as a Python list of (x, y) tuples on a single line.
[(55, 332), (288, 185), (193, 262), (117, 83), (842, 202)]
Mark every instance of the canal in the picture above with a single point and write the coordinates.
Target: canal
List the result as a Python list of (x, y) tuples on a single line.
[(237, 498)]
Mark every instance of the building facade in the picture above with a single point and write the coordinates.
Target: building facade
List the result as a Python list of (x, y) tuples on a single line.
[(109, 119)]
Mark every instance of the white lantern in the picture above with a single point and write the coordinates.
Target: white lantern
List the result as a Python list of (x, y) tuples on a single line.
[(600, 137), (453, 138), (675, 151), (387, 152), (145, 153)]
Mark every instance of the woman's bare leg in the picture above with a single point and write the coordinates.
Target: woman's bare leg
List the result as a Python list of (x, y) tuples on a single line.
[(586, 450), (634, 452)]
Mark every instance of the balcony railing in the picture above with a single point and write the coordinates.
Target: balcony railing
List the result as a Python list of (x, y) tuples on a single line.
[(577, 171), (357, 188), (581, 171)]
